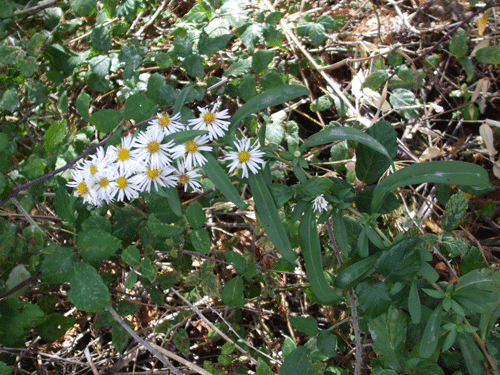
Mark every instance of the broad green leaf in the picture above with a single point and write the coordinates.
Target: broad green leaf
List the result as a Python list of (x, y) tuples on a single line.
[(233, 257), (298, 362), (272, 36), (349, 276), (100, 65), (208, 45), (315, 31), (251, 36), (100, 39), (131, 256), (64, 205), (472, 261), (444, 172), (261, 60), (9, 100), (269, 216), (275, 133), (458, 43), (343, 133), (232, 294), (274, 18), (63, 59), (414, 306), (388, 332), (271, 80), (467, 64), (219, 177), (173, 200), (83, 8), (194, 66), (119, 337), (57, 266), (247, 89), (239, 67), (454, 212), (267, 99), (401, 261), (305, 324), (55, 134), (155, 82), (55, 327), (370, 164), (138, 107), (97, 245), (281, 193), (430, 337), (87, 290), (321, 104), (147, 269), (82, 105), (105, 120), (131, 280), (401, 99), (163, 230), (421, 366), (327, 343), (35, 167), (200, 239), (373, 296), (482, 279), (195, 215), (376, 79), (489, 55), (470, 353)]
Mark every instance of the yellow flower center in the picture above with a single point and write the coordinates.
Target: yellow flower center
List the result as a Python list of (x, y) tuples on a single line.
[(123, 154), (191, 147), (184, 179), (93, 169), (122, 182), (104, 182), (164, 120), (243, 156), (152, 173), (82, 189), (153, 147), (209, 118)]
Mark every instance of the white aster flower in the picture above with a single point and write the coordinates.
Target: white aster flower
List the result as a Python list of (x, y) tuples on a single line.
[(188, 178), (150, 150), (156, 176), (125, 186), (123, 156), (97, 163), (191, 151), (166, 124), (84, 187), (214, 122), (320, 204), (104, 186), (245, 158)]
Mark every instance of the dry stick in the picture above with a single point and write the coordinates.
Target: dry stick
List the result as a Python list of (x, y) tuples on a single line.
[(94, 369), (181, 360), (153, 18), (212, 326), (143, 342)]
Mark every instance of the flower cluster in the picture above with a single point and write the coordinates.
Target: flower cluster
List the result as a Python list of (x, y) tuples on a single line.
[(144, 160)]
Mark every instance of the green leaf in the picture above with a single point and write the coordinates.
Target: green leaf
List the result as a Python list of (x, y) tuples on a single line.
[(251, 36), (269, 216), (97, 245), (63, 204), (163, 230), (55, 327), (55, 134), (401, 261), (181, 99), (272, 36), (147, 269), (274, 18), (305, 324), (194, 66), (100, 39), (311, 251), (232, 294), (138, 107), (9, 100), (472, 261), (376, 79), (275, 133), (430, 337), (414, 305), (401, 98), (155, 82), (483, 279), (209, 45), (298, 362), (267, 99), (239, 67), (119, 337), (87, 290), (82, 105), (195, 215), (444, 172), (106, 120), (470, 354), (455, 211), (131, 280), (352, 274), (316, 31), (83, 8), (246, 88), (184, 136), (173, 199), (219, 177), (370, 164), (467, 64), (57, 266), (489, 55), (237, 259), (373, 296), (131, 256), (261, 59), (200, 239), (321, 104), (388, 332), (100, 65), (458, 43), (327, 344), (35, 167)]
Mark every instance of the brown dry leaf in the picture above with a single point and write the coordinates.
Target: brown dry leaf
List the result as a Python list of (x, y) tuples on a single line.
[(482, 22), (487, 136), (431, 153)]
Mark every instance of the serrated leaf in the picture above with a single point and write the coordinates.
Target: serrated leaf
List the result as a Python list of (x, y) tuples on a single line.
[(233, 257), (275, 133), (55, 327), (388, 332), (208, 45), (274, 18), (57, 266), (9, 100), (376, 79), (298, 362), (458, 43), (251, 36), (374, 298), (327, 344), (315, 31), (63, 204), (445, 172), (261, 60), (131, 256), (305, 324), (55, 134), (200, 239), (194, 66), (272, 36), (232, 294), (401, 261), (100, 39), (239, 67), (138, 107), (321, 104), (401, 98), (82, 105), (106, 120), (147, 269), (87, 290), (247, 89), (97, 245), (163, 230), (100, 65), (83, 8), (489, 55)]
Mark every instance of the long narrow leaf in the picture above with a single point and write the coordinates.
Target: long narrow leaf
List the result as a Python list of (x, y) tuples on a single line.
[(173, 200), (344, 133), (181, 99), (269, 98), (270, 218), (311, 250), (430, 336), (218, 176), (444, 172)]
